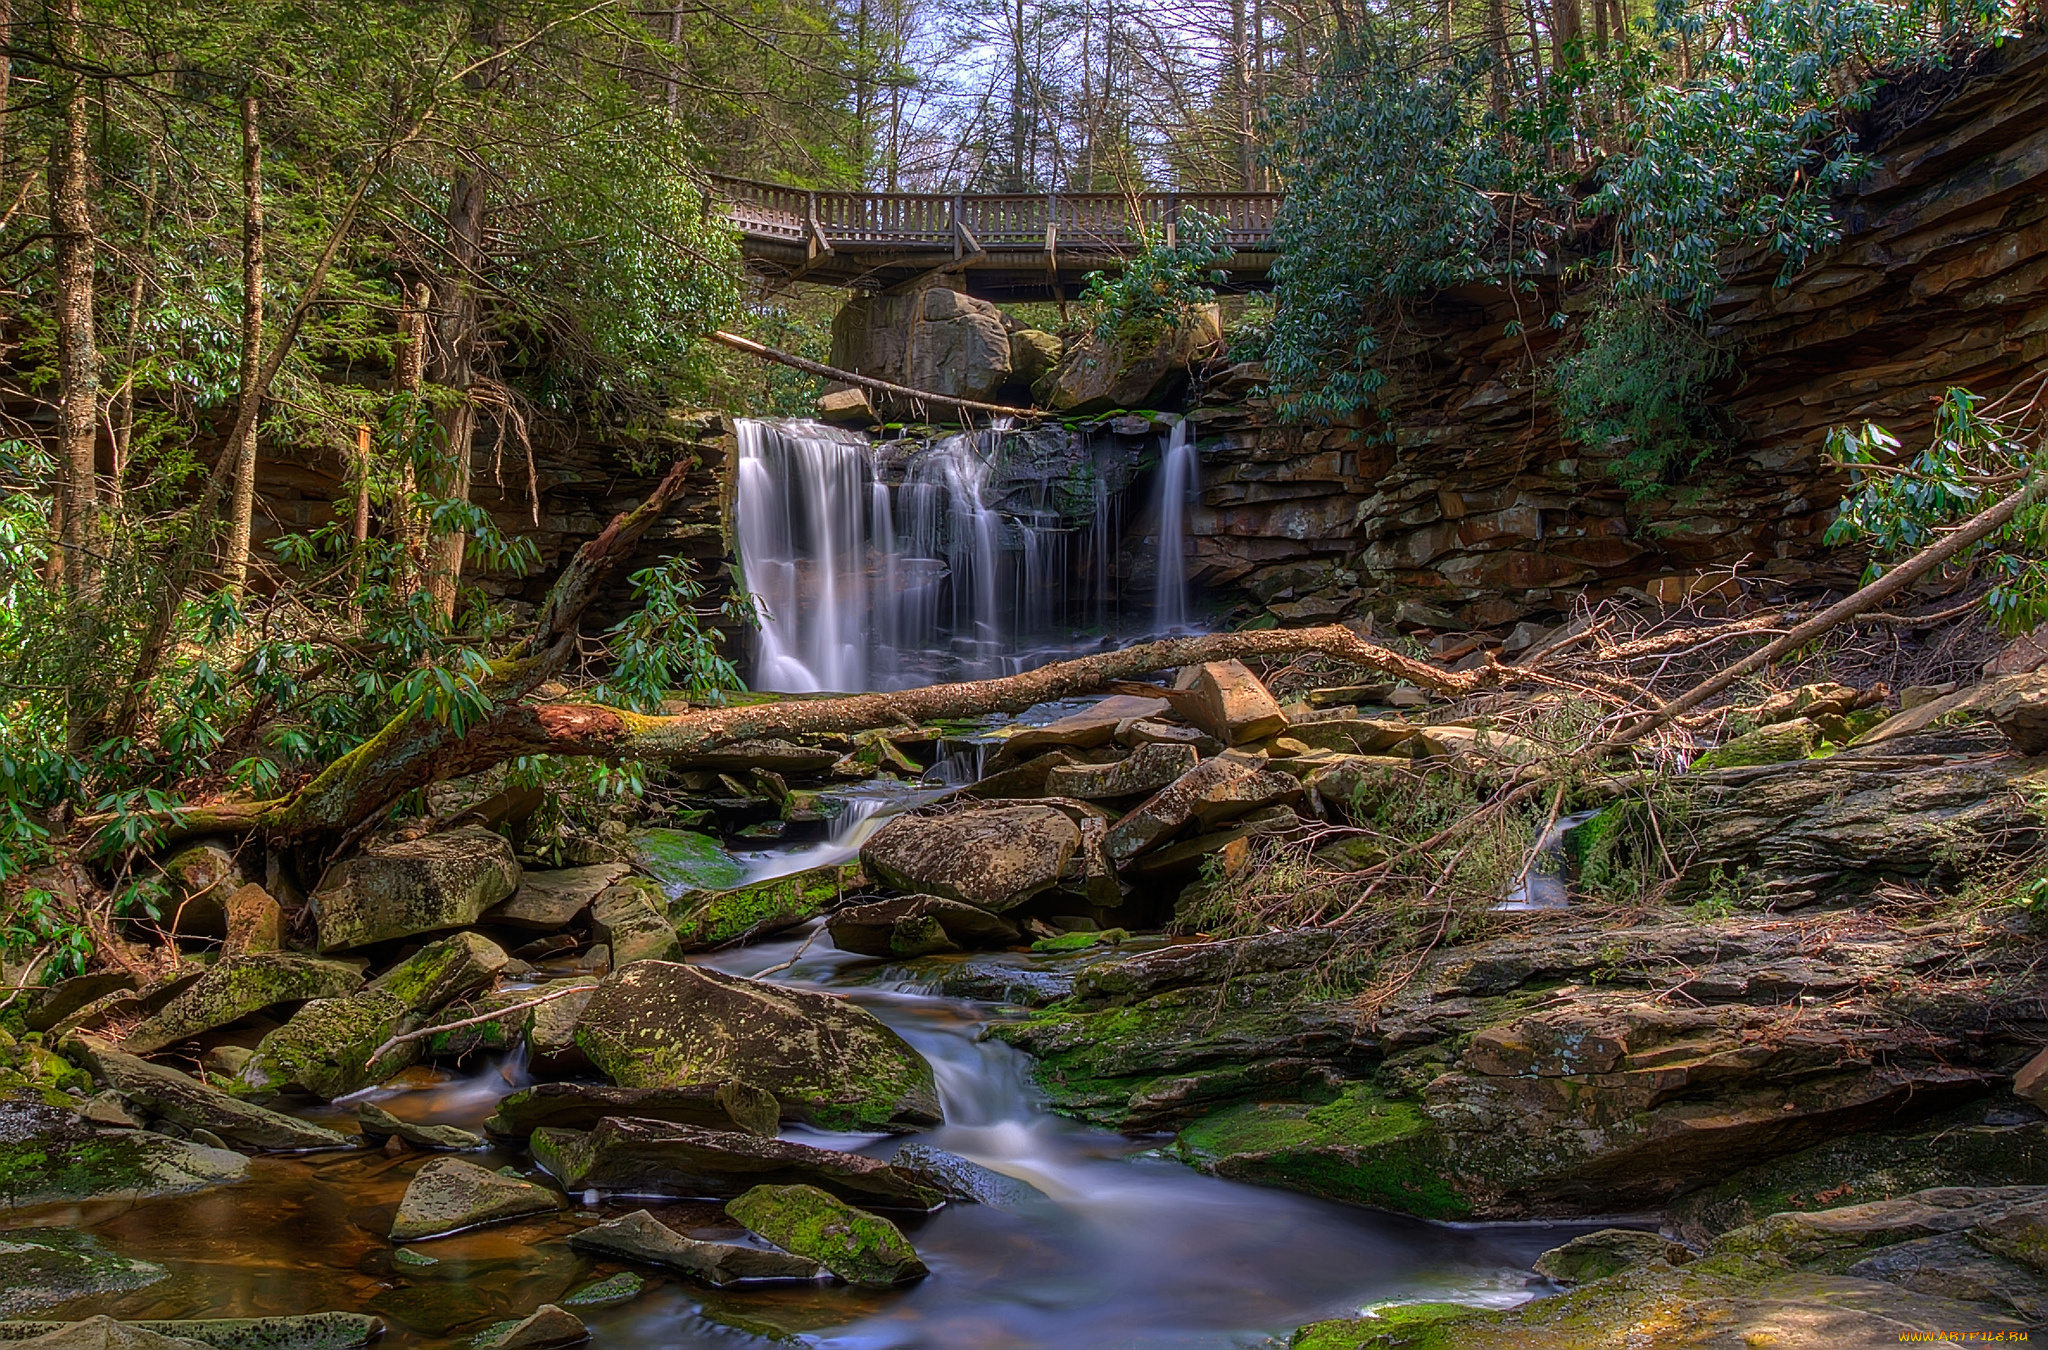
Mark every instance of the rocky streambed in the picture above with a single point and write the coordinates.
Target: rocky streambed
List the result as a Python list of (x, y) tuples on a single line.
[(972, 1073)]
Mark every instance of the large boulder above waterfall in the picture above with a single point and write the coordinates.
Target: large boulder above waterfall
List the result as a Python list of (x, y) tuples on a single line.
[(995, 859), (419, 886), (937, 340), (1096, 376), (828, 1062)]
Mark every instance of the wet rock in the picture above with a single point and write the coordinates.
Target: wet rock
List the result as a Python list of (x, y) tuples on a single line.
[(548, 901), (1093, 726), (197, 1106), (325, 1048), (255, 922), (420, 886), (609, 1292), (306, 1331), (104, 1333), (707, 919), (1212, 793), (236, 986), (1230, 703), (631, 917), (1595, 1256), (957, 1178), (547, 1327), (639, 1236), (862, 1249), (828, 1062), (1150, 767), (649, 1157), (917, 925), (48, 1153), (684, 861), (551, 1031), (44, 1266), (730, 1105), (377, 1123), (995, 858), (449, 1195)]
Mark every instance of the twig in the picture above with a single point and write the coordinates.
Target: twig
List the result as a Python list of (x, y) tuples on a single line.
[(495, 1015)]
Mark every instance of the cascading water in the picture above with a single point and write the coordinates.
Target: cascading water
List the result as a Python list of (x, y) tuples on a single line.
[(877, 569), (1179, 471)]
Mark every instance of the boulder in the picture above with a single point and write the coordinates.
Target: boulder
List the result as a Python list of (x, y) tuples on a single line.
[(325, 1048), (551, 1033), (1595, 1256), (255, 922), (827, 1061), (707, 919), (1212, 793), (1778, 743), (957, 1178), (49, 1153), (1354, 735), (449, 1195), (235, 986), (40, 1267), (165, 1092), (1230, 703), (860, 1248), (1149, 768), (730, 1105), (2020, 710), (201, 877), (1141, 731), (61, 1000), (1093, 726), (104, 1333), (631, 917), (936, 339), (917, 925), (2031, 1082), (546, 1327), (548, 901), (652, 1157), (1032, 354), (684, 861), (1096, 376), (994, 858), (639, 1236), (377, 1123), (847, 407), (423, 885)]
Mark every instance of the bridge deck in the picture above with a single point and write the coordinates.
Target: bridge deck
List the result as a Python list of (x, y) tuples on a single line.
[(1015, 246)]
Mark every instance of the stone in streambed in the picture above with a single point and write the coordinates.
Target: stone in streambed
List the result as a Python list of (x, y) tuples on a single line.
[(325, 1048), (255, 922), (449, 1195), (858, 1247), (623, 1287), (48, 1153), (419, 886), (917, 925), (549, 901), (639, 1236), (960, 1179), (1595, 1256), (199, 1106), (40, 1267), (828, 1062), (1149, 768), (683, 861), (377, 1123), (2031, 1082), (651, 1157), (1214, 792), (104, 1333), (631, 917), (236, 986), (547, 1327), (304, 1331), (706, 919), (551, 1033), (995, 858), (730, 1105), (59, 1001), (1230, 703)]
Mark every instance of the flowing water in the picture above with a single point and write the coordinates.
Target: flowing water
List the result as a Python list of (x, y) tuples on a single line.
[(1179, 473)]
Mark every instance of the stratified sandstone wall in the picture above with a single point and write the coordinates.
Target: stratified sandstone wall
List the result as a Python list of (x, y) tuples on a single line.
[(1479, 507)]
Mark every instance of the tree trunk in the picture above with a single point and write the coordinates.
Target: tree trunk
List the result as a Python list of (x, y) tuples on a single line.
[(1241, 80), (242, 509), (1497, 45), (359, 525), (451, 363), (408, 381), (72, 249)]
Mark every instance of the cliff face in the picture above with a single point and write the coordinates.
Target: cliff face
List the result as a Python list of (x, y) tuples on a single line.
[(1477, 505)]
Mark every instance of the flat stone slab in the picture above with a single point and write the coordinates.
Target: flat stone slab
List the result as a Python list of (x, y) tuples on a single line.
[(731, 1106), (40, 1267), (449, 1195), (547, 901), (236, 986), (993, 858), (200, 1106), (652, 1157), (1149, 768), (377, 1123), (639, 1236)]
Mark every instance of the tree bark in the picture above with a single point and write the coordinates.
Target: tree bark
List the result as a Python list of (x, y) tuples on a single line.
[(242, 509), (72, 251), (451, 363)]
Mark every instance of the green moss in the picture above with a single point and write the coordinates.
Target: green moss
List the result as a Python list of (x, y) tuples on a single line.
[(620, 1288), (713, 918), (1363, 1148), (1350, 1333), (1081, 942), (858, 1247), (1775, 744), (684, 861)]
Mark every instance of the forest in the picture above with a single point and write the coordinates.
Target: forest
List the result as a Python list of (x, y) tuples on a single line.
[(1507, 671)]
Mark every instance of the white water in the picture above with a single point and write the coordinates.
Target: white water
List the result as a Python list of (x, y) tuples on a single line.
[(1179, 471), (864, 586)]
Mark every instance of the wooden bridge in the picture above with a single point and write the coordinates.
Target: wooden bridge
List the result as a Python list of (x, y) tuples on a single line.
[(1006, 246)]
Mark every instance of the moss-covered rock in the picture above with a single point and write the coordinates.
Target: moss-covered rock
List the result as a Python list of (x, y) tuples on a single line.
[(47, 1153), (631, 918), (730, 1105), (1387, 1321), (40, 1267), (641, 1237), (304, 1331), (175, 1096), (994, 858), (1778, 743), (860, 1248), (423, 885), (236, 986), (377, 1123), (713, 918), (828, 1062), (1595, 1256), (625, 1156), (449, 1195), (683, 861)]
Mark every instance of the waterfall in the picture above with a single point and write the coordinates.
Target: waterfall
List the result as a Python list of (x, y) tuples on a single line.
[(874, 568), (1179, 472)]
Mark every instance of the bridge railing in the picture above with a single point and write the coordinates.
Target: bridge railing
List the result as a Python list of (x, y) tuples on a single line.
[(1073, 221)]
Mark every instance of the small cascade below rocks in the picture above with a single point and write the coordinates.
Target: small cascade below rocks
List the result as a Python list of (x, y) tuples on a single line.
[(885, 565)]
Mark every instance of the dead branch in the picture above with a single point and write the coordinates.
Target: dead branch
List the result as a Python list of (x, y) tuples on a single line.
[(825, 372), (495, 1015)]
